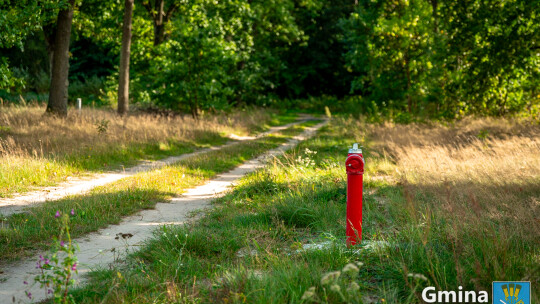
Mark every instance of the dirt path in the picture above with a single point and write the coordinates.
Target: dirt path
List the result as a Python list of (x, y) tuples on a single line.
[(100, 249), (18, 203)]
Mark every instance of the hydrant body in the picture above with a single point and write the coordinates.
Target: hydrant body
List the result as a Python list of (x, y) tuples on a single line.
[(355, 178)]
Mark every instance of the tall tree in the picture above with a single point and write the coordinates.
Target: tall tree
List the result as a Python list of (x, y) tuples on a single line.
[(123, 82), (160, 17), (58, 93)]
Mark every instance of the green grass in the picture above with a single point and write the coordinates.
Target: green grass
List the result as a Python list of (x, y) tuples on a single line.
[(20, 174), (248, 249), (26, 174), (108, 204), (277, 120)]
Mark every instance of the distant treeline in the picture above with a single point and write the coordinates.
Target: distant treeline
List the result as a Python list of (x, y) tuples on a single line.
[(397, 57)]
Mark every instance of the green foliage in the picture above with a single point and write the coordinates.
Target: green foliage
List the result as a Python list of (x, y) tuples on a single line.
[(449, 58), (494, 52), (7, 79), (393, 40), (91, 90), (191, 69), (315, 65), (217, 55), (19, 19), (396, 59)]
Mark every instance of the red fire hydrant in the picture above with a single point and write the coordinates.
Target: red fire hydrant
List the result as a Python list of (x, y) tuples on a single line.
[(355, 178)]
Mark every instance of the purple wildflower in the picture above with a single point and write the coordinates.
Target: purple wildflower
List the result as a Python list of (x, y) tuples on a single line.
[(47, 261), (29, 295), (57, 215), (72, 212), (38, 265), (74, 267), (41, 257), (61, 243), (25, 283), (49, 291)]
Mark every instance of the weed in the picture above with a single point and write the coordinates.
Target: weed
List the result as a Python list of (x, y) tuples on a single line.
[(102, 126), (327, 112), (305, 160), (483, 135), (58, 267), (340, 284)]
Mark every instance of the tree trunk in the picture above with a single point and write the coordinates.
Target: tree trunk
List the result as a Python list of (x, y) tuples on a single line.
[(49, 32), (159, 26), (159, 34), (194, 111), (58, 92), (123, 81), (160, 18)]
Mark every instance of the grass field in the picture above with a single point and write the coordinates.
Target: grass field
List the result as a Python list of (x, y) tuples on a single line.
[(37, 150), (444, 206), (22, 233)]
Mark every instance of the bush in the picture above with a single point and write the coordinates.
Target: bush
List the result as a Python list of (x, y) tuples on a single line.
[(90, 91)]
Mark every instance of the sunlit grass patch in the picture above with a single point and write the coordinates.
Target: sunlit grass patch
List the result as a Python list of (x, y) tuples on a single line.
[(467, 209), (41, 151)]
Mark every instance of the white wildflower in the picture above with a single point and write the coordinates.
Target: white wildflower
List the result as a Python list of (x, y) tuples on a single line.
[(353, 287), (417, 276), (350, 269), (330, 277), (309, 294), (335, 288)]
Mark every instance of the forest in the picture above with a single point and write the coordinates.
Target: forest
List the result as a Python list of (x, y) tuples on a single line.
[(396, 59)]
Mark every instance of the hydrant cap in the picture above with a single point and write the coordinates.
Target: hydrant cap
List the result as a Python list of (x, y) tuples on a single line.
[(355, 150), (354, 164)]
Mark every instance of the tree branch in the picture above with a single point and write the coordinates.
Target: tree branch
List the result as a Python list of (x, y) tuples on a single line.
[(148, 7), (170, 11)]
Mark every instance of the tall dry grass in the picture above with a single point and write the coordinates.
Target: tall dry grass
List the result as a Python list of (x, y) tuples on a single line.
[(37, 150), (25, 131), (476, 186)]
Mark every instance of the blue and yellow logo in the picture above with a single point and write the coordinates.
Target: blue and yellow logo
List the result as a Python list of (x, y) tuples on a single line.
[(511, 292)]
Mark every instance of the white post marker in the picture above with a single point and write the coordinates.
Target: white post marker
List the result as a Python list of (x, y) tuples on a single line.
[(79, 104)]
